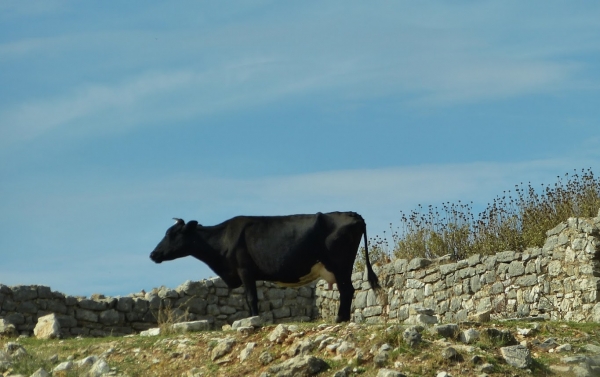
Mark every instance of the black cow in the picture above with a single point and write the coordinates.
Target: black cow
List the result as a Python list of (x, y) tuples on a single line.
[(290, 250)]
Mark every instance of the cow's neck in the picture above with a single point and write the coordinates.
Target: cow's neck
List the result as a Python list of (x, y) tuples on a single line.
[(214, 256)]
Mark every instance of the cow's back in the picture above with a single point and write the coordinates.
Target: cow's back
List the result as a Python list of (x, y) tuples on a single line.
[(287, 247)]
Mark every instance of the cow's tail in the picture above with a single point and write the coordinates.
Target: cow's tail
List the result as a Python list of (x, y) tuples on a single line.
[(373, 281)]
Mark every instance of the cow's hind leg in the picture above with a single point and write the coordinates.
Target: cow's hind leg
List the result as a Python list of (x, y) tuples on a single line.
[(346, 294)]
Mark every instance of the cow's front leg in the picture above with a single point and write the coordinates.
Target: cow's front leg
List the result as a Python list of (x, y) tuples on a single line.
[(250, 290)]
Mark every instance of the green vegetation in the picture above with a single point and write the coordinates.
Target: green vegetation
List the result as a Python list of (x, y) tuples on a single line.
[(516, 220)]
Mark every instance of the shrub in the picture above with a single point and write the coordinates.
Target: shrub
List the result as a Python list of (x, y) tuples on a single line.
[(514, 221)]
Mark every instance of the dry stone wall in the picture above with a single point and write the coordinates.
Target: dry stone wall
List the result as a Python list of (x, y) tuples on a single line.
[(98, 315), (560, 281)]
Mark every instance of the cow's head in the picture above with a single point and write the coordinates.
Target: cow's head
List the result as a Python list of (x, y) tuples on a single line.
[(178, 242)]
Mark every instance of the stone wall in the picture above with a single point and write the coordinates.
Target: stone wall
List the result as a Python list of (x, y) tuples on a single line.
[(201, 300), (559, 281)]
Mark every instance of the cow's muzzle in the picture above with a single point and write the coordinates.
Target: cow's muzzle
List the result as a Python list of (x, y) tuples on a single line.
[(155, 257)]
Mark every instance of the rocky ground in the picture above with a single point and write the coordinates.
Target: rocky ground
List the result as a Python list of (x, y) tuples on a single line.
[(510, 348)]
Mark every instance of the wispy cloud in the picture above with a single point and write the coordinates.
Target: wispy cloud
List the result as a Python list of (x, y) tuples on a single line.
[(429, 61)]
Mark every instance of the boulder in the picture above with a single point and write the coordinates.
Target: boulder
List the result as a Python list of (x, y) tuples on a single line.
[(412, 337), (279, 334), (47, 327), (299, 366), (151, 332), (98, 369), (7, 328), (255, 322), (469, 336), (40, 373), (202, 325), (222, 348), (389, 373), (517, 356), (247, 351), (449, 330)]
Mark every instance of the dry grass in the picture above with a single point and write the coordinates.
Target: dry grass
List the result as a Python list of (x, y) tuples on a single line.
[(176, 355), (515, 220)]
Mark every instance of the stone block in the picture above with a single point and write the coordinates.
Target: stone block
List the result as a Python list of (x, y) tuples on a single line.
[(526, 280), (47, 327), (283, 312), (202, 325), (91, 304), (28, 307), (24, 292), (516, 268), (86, 315), (372, 311), (418, 263), (400, 265), (109, 317), (15, 318), (507, 256), (44, 292)]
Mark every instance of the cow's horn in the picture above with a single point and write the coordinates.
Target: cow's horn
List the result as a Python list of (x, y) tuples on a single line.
[(178, 221)]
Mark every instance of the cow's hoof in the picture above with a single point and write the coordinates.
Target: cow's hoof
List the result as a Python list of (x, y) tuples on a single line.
[(339, 319)]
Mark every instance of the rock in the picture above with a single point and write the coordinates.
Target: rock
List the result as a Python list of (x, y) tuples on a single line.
[(279, 334), (151, 332), (7, 328), (300, 347), (15, 350), (481, 317), (247, 351), (547, 344), (265, 358), (222, 348), (564, 348), (389, 373), (418, 263), (449, 330), (592, 348), (47, 327), (255, 322), (449, 353), (40, 373), (245, 330), (98, 369), (421, 319), (202, 325), (194, 372), (299, 366), (345, 348), (583, 371), (4, 356), (443, 374), (411, 337), (63, 367), (381, 358), (486, 368), (343, 372), (517, 356), (524, 332), (502, 337), (469, 336), (85, 362)]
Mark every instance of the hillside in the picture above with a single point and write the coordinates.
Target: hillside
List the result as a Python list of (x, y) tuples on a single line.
[(467, 349)]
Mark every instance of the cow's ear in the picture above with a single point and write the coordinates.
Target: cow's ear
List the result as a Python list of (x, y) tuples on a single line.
[(190, 226)]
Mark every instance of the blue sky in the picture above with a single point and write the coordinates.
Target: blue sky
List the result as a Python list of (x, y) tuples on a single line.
[(114, 118)]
